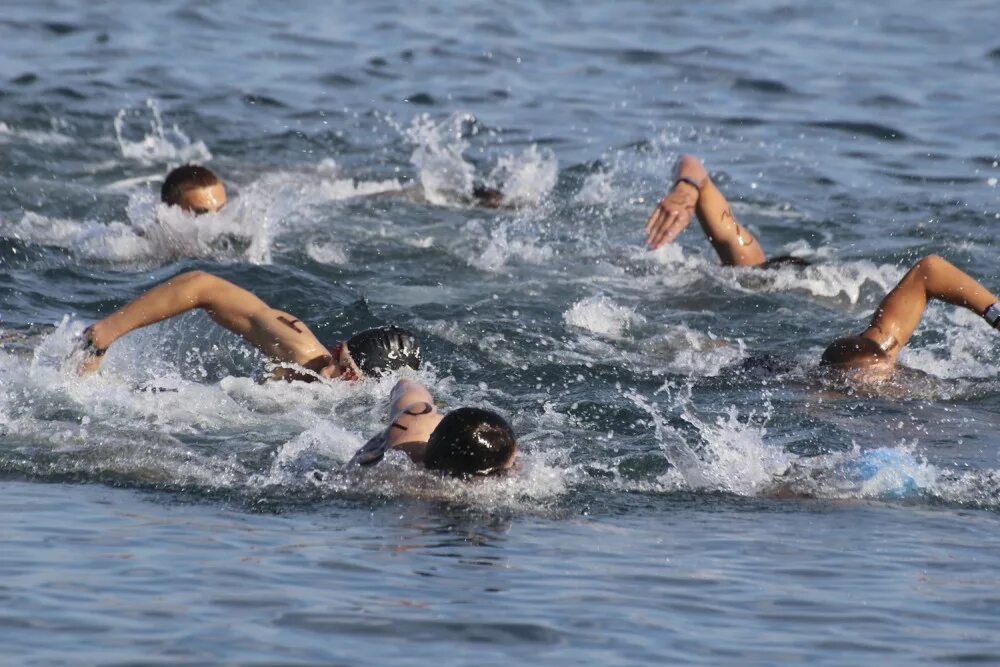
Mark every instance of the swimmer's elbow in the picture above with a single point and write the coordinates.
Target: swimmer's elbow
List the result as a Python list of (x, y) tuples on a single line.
[(931, 264), (199, 287)]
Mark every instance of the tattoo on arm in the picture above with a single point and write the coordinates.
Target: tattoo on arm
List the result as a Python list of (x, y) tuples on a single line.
[(291, 323), (739, 236), (414, 411)]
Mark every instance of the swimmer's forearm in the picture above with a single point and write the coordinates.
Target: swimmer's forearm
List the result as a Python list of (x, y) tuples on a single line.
[(932, 277), (945, 282), (733, 242), (188, 291)]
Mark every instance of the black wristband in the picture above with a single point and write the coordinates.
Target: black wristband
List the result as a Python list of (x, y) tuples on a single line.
[(690, 181), (992, 315)]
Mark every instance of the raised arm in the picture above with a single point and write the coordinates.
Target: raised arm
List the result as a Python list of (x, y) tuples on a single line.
[(274, 332), (413, 415), (932, 277), (694, 192)]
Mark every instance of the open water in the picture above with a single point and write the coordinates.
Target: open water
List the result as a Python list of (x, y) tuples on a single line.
[(669, 508)]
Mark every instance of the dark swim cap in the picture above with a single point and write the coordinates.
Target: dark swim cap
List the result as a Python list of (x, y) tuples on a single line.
[(852, 350), (470, 441), (785, 260), (383, 350)]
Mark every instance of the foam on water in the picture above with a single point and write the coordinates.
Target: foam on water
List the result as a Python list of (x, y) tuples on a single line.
[(731, 454), (38, 137), (447, 178), (601, 315), (692, 353), (159, 144), (597, 190), (848, 281), (834, 280), (442, 171), (507, 243), (156, 233), (966, 346), (526, 178)]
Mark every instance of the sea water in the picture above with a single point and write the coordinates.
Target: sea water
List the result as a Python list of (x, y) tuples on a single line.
[(668, 505)]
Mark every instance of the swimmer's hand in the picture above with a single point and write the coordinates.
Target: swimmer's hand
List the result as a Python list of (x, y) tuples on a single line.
[(672, 215), (89, 354)]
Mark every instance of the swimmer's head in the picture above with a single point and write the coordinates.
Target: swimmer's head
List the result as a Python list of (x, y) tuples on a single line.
[(487, 197), (374, 353), (854, 352), (471, 442), (193, 188)]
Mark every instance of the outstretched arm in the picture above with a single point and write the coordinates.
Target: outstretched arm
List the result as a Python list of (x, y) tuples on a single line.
[(274, 332), (932, 277), (695, 193)]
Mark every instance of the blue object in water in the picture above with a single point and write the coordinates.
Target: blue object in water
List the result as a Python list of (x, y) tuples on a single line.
[(893, 467)]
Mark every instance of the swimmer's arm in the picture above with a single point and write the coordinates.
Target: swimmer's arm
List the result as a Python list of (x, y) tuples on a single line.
[(673, 214), (933, 277), (275, 333), (733, 242), (407, 394), (412, 413)]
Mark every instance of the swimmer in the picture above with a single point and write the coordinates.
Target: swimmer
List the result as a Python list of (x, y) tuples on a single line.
[(465, 443), (285, 339), (193, 188), (693, 192), (873, 352)]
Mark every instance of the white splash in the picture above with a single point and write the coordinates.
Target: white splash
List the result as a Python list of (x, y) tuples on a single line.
[(37, 137), (693, 353), (526, 178), (160, 144), (326, 253), (502, 248), (157, 234), (601, 315), (969, 348), (598, 189), (444, 175)]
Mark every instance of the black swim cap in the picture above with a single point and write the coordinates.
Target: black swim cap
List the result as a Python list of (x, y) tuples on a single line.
[(470, 441), (383, 350)]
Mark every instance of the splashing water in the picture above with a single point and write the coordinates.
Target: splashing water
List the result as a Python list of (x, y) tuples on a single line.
[(446, 178), (526, 178), (160, 144), (442, 171), (601, 315), (37, 137)]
